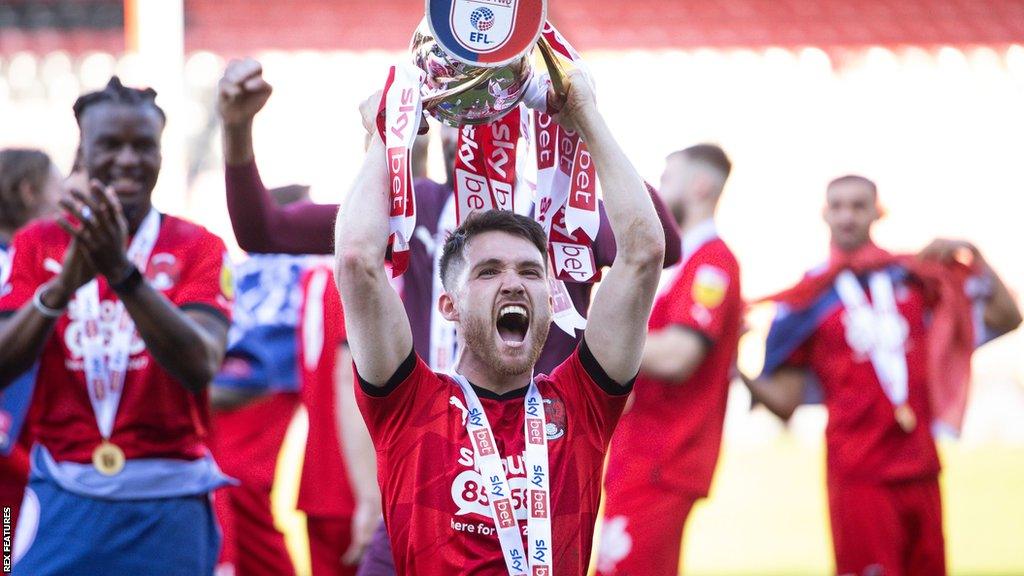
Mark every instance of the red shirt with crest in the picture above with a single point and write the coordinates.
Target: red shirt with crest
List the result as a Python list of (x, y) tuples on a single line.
[(671, 435), (435, 506), (157, 416)]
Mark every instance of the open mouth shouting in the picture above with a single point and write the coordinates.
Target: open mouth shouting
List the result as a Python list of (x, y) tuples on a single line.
[(513, 323)]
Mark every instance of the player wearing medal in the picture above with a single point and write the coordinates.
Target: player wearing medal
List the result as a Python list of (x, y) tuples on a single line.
[(127, 312), (456, 506), (889, 339), (260, 225), (29, 189), (664, 452)]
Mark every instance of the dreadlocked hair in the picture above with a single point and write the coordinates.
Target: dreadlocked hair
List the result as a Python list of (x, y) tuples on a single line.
[(116, 93)]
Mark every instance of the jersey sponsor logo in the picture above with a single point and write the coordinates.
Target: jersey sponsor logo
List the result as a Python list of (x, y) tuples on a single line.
[(504, 513), (709, 286), (616, 543), (483, 441), (538, 504), (471, 496), (78, 328)]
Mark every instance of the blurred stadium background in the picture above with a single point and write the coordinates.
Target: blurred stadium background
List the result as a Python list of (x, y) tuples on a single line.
[(924, 96)]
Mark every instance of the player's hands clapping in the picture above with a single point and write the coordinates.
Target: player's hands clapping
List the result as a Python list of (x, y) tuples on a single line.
[(242, 92), (101, 232)]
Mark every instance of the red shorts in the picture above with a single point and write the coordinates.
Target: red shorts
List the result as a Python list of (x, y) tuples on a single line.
[(329, 539), (642, 531), (887, 529)]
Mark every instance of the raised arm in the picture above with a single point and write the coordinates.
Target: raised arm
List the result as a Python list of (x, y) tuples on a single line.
[(617, 324), (261, 225), (378, 329)]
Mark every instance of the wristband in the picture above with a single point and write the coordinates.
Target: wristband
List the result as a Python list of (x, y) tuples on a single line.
[(129, 283), (37, 303)]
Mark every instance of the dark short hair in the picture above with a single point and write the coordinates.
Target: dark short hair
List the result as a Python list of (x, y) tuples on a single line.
[(116, 93), (854, 179), (487, 221), (19, 166), (710, 154)]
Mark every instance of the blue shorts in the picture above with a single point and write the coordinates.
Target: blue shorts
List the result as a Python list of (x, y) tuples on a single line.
[(61, 533)]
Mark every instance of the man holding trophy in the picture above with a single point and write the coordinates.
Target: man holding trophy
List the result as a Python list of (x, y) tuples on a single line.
[(488, 470)]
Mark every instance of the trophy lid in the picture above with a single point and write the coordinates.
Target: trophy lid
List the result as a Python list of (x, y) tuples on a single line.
[(486, 33)]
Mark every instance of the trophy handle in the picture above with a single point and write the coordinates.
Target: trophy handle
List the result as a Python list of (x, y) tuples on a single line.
[(558, 68)]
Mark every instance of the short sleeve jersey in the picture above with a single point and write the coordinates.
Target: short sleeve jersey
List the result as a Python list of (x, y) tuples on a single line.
[(672, 433), (435, 505), (157, 417), (324, 489), (864, 440)]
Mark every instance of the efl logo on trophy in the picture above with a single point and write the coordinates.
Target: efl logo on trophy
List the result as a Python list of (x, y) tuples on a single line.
[(486, 32)]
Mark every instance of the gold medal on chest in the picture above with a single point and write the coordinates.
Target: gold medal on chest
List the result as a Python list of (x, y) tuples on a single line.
[(108, 458)]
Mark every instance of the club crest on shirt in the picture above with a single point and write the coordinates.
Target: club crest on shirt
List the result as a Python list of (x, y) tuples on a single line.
[(709, 286), (163, 271), (555, 417)]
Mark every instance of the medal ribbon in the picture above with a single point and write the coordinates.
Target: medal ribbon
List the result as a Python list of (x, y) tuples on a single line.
[(402, 109), (876, 328), (485, 166), (538, 520), (106, 364)]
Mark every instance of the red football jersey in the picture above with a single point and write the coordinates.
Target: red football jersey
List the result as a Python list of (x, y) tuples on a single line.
[(864, 440), (435, 505), (157, 416), (672, 433), (324, 489)]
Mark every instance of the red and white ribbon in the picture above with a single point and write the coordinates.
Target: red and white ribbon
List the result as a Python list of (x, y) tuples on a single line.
[(485, 166), (106, 362), (402, 108), (538, 481)]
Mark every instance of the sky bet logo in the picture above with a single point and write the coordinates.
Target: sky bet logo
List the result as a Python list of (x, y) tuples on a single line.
[(484, 443), (535, 431), (504, 514), (495, 490), (538, 504), (540, 554)]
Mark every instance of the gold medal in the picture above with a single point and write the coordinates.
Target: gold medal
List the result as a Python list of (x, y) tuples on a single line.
[(906, 418), (108, 459)]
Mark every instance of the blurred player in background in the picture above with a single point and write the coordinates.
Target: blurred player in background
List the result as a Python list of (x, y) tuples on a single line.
[(127, 311), (889, 339), (339, 491), (664, 451), (30, 186), (254, 398), (308, 227)]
